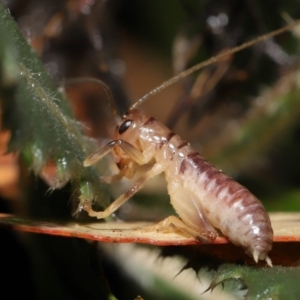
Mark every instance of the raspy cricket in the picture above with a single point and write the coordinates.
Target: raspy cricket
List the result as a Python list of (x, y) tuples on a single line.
[(206, 200)]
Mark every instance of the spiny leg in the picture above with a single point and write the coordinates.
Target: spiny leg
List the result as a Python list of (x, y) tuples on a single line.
[(155, 170)]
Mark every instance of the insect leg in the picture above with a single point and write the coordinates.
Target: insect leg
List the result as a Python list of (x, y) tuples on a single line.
[(188, 207), (130, 150), (112, 178), (182, 227), (193, 221), (155, 170)]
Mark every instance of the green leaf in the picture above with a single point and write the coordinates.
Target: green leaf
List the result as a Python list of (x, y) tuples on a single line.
[(261, 283), (39, 117)]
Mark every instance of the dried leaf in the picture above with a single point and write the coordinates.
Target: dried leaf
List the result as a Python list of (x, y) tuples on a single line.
[(286, 248)]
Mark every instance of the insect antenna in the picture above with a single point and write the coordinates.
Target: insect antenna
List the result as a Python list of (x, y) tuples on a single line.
[(212, 60), (106, 89)]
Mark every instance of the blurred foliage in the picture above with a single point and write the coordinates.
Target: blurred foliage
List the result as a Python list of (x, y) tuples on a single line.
[(260, 143), (274, 283), (283, 200), (39, 118)]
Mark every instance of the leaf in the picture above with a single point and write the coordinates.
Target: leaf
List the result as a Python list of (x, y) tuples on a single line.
[(264, 283), (39, 117), (285, 250)]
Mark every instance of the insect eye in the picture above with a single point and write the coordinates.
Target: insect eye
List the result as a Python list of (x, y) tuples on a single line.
[(124, 126)]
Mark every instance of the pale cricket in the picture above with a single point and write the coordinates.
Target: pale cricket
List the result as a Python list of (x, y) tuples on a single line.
[(205, 199)]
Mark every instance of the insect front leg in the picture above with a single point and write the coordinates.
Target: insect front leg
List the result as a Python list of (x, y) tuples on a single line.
[(155, 170), (135, 154), (135, 157)]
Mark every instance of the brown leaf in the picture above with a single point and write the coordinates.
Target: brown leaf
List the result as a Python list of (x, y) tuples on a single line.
[(286, 229), (285, 249)]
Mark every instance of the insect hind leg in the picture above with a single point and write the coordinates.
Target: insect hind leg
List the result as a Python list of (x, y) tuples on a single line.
[(192, 222), (174, 223), (189, 208)]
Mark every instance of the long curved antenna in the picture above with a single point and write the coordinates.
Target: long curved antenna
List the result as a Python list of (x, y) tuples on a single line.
[(212, 60), (105, 88)]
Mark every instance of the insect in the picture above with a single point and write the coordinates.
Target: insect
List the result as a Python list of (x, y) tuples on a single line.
[(205, 199)]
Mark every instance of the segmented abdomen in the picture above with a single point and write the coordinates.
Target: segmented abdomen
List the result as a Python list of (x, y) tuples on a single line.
[(228, 205)]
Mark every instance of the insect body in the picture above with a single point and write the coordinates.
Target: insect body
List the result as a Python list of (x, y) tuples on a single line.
[(205, 199), (203, 196)]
